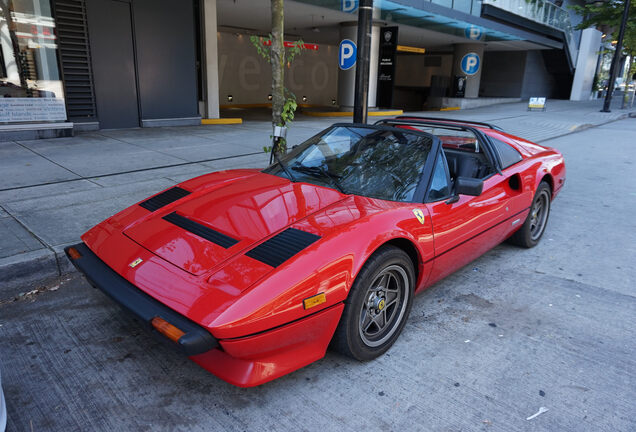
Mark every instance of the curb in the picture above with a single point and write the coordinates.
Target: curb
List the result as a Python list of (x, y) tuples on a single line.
[(35, 267)]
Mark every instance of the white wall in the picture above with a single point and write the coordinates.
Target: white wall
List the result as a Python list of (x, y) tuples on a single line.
[(245, 75), (586, 64)]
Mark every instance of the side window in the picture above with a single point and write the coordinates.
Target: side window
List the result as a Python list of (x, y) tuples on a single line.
[(508, 154), (439, 184)]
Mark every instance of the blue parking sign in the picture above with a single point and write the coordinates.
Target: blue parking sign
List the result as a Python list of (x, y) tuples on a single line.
[(470, 63), (473, 32), (346, 54), (348, 5)]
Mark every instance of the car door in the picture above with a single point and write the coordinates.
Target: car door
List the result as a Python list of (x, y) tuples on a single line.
[(467, 226)]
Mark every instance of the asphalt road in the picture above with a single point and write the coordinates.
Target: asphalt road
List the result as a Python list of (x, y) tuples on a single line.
[(485, 349)]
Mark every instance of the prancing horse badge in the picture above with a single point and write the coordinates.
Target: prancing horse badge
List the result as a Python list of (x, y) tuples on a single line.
[(135, 263), (419, 214)]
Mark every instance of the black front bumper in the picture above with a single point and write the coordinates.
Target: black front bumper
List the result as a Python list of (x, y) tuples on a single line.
[(196, 339)]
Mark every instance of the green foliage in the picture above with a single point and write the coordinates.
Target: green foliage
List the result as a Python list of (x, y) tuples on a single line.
[(289, 109), (295, 50), (607, 17), (262, 49)]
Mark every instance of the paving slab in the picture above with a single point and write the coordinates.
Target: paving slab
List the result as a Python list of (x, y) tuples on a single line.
[(21, 167), (46, 190), (15, 239), (62, 219)]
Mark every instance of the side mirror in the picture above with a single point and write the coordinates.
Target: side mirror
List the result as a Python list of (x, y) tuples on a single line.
[(468, 186)]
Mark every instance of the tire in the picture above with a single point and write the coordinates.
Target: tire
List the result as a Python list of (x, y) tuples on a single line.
[(533, 228), (375, 311)]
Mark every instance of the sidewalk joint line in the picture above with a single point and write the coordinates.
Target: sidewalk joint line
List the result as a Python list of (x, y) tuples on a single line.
[(89, 178)]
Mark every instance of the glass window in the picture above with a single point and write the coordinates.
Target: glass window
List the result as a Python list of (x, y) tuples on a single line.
[(383, 163), (508, 154), (30, 84), (439, 184)]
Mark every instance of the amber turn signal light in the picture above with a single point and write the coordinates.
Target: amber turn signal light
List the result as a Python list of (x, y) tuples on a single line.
[(314, 300), (74, 253), (168, 330)]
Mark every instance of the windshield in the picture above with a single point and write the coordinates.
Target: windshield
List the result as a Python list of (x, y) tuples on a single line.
[(383, 163)]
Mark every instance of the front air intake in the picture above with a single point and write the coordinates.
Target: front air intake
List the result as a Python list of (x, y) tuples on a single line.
[(164, 198), (282, 247)]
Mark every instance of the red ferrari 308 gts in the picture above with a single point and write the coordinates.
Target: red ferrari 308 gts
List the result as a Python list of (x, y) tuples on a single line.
[(253, 274)]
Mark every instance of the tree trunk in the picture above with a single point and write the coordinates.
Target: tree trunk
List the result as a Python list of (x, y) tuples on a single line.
[(278, 70)]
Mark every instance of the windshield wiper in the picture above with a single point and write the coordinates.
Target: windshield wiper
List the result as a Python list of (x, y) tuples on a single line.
[(320, 171), (283, 166)]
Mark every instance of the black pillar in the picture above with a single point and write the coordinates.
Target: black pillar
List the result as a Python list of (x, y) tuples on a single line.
[(361, 99), (615, 60)]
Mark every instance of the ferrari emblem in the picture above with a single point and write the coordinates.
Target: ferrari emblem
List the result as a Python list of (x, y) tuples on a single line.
[(419, 215), (135, 263)]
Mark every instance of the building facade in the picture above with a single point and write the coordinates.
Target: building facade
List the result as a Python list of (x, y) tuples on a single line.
[(70, 65)]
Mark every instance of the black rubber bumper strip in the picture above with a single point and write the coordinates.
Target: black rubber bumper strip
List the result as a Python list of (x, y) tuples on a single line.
[(196, 339)]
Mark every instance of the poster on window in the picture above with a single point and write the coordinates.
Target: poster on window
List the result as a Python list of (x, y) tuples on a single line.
[(32, 109)]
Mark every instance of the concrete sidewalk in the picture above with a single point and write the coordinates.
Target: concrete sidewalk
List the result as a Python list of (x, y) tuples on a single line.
[(52, 191)]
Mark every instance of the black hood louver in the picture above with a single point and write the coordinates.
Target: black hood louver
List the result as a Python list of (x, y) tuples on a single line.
[(201, 230), (164, 198), (282, 247)]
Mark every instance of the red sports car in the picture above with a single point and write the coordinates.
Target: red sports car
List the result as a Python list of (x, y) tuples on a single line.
[(253, 274)]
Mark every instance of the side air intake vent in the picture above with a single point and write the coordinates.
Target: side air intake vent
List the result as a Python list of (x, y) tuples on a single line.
[(164, 198), (282, 247), (201, 230)]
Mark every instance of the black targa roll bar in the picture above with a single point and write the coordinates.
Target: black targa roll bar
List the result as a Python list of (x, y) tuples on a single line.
[(438, 119)]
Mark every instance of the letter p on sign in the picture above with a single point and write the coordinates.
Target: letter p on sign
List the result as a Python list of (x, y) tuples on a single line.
[(346, 54)]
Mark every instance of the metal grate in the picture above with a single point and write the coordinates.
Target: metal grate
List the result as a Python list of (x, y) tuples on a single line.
[(201, 230), (164, 198), (75, 62), (282, 247)]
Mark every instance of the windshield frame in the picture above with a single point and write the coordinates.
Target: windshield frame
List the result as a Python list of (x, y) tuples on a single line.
[(422, 181)]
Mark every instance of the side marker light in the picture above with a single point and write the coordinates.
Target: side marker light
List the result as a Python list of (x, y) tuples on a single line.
[(74, 253), (314, 300), (168, 330)]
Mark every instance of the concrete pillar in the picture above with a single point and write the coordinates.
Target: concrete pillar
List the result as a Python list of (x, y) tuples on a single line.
[(586, 64), (211, 52), (467, 61), (347, 78)]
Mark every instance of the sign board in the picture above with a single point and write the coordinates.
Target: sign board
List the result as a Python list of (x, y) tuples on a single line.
[(459, 86), (473, 32), (349, 5), (536, 103), (346, 54), (386, 68), (470, 63), (411, 49), (31, 109)]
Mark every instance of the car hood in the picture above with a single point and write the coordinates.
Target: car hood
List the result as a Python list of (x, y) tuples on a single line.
[(206, 228)]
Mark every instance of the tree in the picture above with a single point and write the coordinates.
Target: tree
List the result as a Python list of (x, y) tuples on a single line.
[(607, 16), (273, 50)]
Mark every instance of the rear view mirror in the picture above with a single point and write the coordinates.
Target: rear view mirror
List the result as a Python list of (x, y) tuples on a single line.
[(468, 186)]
